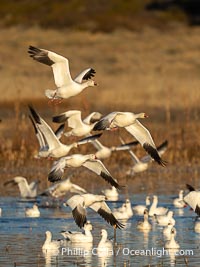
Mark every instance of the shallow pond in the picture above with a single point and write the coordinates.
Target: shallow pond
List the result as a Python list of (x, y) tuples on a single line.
[(21, 238)]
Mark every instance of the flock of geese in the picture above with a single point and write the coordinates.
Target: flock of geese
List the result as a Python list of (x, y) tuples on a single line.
[(89, 130)]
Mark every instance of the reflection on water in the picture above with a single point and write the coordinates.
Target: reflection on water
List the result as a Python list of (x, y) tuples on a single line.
[(21, 238)]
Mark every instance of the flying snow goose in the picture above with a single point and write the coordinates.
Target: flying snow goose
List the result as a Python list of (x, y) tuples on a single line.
[(156, 210), (61, 188), (104, 152), (50, 244), (129, 121), (79, 127), (179, 202), (77, 160), (79, 237), (172, 244), (79, 203), (26, 190), (139, 209), (142, 164), (193, 199), (66, 87), (144, 225), (32, 212), (53, 147)]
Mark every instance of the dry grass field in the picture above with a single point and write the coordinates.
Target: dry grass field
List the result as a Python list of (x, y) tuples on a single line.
[(153, 71)]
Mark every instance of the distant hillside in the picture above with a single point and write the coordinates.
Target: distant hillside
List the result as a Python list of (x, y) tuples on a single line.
[(101, 15)]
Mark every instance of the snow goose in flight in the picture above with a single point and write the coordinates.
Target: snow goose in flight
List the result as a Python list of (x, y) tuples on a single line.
[(66, 86), (61, 188), (139, 209), (26, 190), (52, 147), (32, 212), (79, 127), (129, 121), (193, 199), (104, 152), (143, 163), (179, 202), (144, 225), (79, 237), (50, 244), (79, 203), (156, 210), (77, 160)]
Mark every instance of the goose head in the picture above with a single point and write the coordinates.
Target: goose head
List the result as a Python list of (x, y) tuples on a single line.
[(91, 83), (142, 115)]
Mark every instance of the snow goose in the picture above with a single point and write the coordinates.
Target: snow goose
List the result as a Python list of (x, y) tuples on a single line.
[(32, 212), (144, 225), (129, 121), (80, 237), (197, 226), (139, 209), (104, 152), (50, 244), (79, 127), (156, 210), (125, 212), (172, 244), (142, 164), (163, 220), (66, 87), (104, 245), (79, 203), (77, 160), (60, 189), (193, 199), (53, 147), (167, 230), (179, 202), (111, 194), (26, 190)]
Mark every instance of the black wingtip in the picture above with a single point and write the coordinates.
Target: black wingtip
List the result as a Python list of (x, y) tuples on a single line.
[(100, 125), (59, 118), (34, 114), (79, 218), (54, 176), (154, 154), (197, 210), (110, 218), (190, 187)]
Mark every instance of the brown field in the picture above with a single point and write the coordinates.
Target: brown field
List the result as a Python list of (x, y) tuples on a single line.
[(152, 71)]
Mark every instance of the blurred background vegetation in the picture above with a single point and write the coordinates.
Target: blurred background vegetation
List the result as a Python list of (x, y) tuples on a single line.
[(101, 15)]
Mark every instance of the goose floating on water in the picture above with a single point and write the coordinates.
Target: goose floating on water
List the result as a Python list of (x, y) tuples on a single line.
[(50, 244), (179, 202), (139, 209), (66, 87), (156, 210), (172, 244), (32, 212), (145, 225), (85, 237)]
